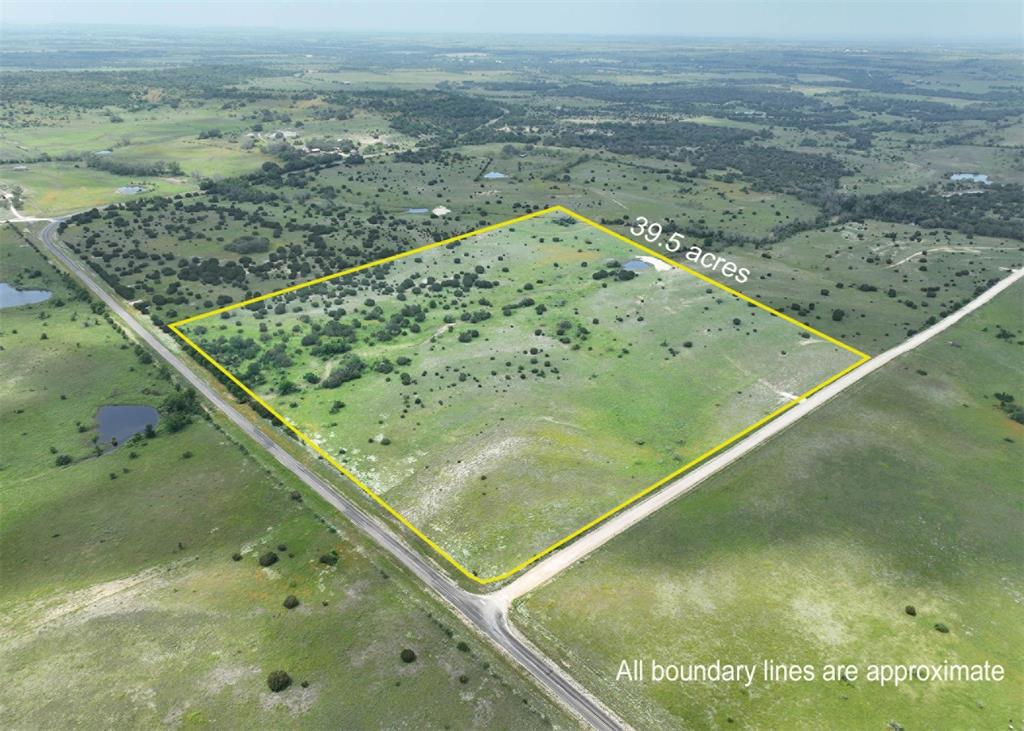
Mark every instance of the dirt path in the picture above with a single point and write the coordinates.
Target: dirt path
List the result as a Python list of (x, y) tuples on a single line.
[(597, 537)]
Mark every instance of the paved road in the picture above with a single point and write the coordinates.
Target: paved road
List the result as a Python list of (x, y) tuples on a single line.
[(597, 537), (489, 613), (479, 611)]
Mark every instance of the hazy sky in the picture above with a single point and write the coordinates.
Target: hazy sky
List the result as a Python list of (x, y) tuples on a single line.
[(965, 19)]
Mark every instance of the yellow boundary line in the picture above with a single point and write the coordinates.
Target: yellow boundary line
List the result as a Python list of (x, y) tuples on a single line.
[(174, 327)]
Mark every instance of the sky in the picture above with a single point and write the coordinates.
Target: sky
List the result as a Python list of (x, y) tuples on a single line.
[(806, 19)]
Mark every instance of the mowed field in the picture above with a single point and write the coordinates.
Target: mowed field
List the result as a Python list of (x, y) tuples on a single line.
[(122, 605), (502, 392), (68, 185), (56, 188), (904, 491)]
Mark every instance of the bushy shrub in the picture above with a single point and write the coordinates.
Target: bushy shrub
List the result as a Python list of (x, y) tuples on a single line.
[(249, 245), (278, 681), (179, 408), (348, 369)]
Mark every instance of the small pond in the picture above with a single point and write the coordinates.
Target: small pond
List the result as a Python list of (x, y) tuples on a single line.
[(972, 177), (636, 265), (417, 210), (130, 189), (493, 175), (12, 297), (124, 422)]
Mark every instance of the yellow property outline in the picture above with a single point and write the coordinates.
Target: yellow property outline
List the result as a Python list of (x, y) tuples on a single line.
[(174, 327)]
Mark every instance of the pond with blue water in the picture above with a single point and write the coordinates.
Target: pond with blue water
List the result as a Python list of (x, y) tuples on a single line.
[(118, 424), (14, 297)]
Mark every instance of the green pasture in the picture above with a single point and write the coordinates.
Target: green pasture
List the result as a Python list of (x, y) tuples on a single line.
[(122, 604), (903, 492), (501, 445)]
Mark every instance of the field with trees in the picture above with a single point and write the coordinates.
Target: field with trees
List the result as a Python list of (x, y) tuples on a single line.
[(882, 529), (869, 190), (505, 390), (164, 579)]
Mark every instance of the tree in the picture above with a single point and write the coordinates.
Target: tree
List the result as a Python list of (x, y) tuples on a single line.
[(278, 681), (408, 655), (349, 368), (268, 559), (179, 408), (249, 245)]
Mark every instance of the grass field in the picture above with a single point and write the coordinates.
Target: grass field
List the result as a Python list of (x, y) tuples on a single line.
[(122, 606), (90, 131), (888, 279), (903, 491), (499, 419), (55, 188)]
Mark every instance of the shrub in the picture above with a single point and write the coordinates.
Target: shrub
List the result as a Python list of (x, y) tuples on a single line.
[(330, 559), (349, 368), (236, 557), (911, 610), (268, 559), (291, 601), (940, 627), (63, 460), (249, 245), (408, 655), (179, 408), (278, 681)]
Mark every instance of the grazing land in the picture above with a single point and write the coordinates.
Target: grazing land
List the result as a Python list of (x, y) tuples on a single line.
[(811, 549), (123, 603), (495, 391), (505, 390)]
